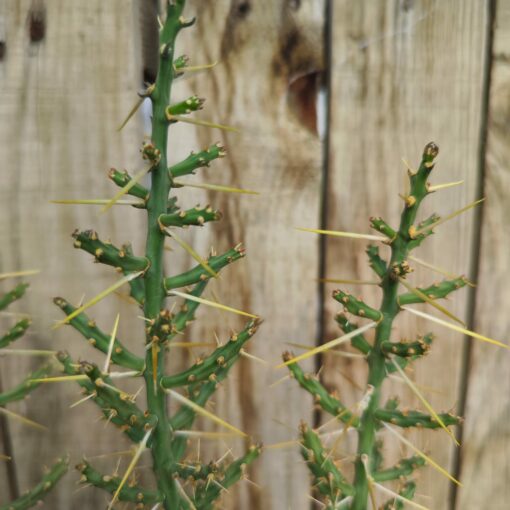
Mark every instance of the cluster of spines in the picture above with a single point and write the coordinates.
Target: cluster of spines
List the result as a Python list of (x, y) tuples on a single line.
[(199, 381), (330, 485), (19, 392)]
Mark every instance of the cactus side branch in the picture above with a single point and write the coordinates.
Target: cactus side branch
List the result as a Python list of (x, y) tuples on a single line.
[(35, 495), (21, 391)]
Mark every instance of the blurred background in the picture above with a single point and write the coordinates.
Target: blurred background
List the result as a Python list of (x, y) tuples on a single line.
[(330, 96)]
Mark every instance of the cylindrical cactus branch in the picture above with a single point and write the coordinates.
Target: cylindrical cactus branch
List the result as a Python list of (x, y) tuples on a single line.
[(19, 392), (384, 355), (34, 496), (154, 428)]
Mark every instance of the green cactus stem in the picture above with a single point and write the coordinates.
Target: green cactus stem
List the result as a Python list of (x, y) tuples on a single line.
[(162, 451), (207, 492), (131, 493), (381, 354), (108, 254), (179, 63), (34, 496), (328, 477), (359, 341), (205, 369), (322, 397), (200, 394), (197, 216), (17, 331), (197, 160), (199, 273), (414, 418), (381, 226), (100, 340), (418, 348), (375, 261), (186, 314), (13, 295), (123, 178), (389, 309), (405, 467), (129, 419), (23, 389), (407, 492), (155, 427), (192, 104), (19, 392), (356, 306), (435, 291)]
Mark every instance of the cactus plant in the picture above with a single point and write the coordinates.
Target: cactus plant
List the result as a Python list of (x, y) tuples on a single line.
[(385, 355), (19, 392), (154, 428)]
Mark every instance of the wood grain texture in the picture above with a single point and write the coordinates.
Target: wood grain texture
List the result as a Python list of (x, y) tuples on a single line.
[(61, 100), (485, 466), (75, 88), (403, 74), (262, 47)]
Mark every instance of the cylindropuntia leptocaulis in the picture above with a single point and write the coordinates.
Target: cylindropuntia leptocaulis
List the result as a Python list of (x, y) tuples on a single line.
[(21, 391), (385, 355), (154, 428)]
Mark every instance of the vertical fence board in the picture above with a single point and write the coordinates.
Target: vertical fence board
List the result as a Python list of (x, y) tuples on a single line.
[(61, 100), (261, 47), (485, 466), (403, 74), (76, 86)]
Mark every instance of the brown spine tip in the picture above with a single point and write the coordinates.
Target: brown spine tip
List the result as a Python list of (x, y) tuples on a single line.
[(431, 150), (59, 301)]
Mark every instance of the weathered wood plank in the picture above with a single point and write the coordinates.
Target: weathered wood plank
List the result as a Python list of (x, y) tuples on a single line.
[(66, 119), (61, 100), (405, 73), (485, 466), (261, 47)]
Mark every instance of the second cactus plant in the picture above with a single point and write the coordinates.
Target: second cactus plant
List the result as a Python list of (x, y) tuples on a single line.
[(374, 421)]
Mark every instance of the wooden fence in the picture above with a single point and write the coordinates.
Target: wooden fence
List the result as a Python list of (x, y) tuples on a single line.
[(399, 73)]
